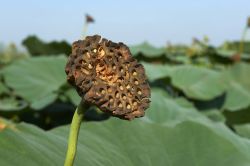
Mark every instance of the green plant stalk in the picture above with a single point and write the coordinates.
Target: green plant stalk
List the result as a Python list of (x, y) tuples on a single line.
[(85, 28), (244, 34), (73, 135)]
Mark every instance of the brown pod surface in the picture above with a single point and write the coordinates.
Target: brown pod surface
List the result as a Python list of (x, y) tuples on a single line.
[(105, 74)]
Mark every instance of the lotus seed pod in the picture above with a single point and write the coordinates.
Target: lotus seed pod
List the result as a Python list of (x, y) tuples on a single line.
[(89, 19), (105, 74)]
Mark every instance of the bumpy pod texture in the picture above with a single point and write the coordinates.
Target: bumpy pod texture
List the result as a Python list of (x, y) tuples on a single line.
[(106, 75)]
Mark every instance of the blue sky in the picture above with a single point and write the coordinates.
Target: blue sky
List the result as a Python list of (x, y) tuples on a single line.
[(128, 21)]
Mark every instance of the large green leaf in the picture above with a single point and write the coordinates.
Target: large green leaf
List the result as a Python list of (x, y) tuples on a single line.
[(37, 47), (230, 53), (73, 96), (36, 78), (147, 50), (180, 58), (155, 72), (3, 88), (12, 104), (117, 142), (164, 109), (243, 130), (44, 101), (197, 82), (238, 93), (215, 115)]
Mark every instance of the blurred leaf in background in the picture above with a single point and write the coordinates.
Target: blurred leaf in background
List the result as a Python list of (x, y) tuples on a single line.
[(198, 115), (116, 142), (37, 47), (36, 79)]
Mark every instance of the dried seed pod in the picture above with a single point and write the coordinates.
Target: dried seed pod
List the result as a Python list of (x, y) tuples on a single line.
[(106, 75), (89, 19)]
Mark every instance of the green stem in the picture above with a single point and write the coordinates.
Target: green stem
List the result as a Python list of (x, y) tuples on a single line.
[(85, 28), (241, 49), (73, 135)]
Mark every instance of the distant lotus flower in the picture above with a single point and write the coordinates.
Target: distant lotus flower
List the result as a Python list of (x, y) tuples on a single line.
[(105, 74)]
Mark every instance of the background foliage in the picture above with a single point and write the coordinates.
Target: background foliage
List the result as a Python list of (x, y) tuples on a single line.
[(199, 114)]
